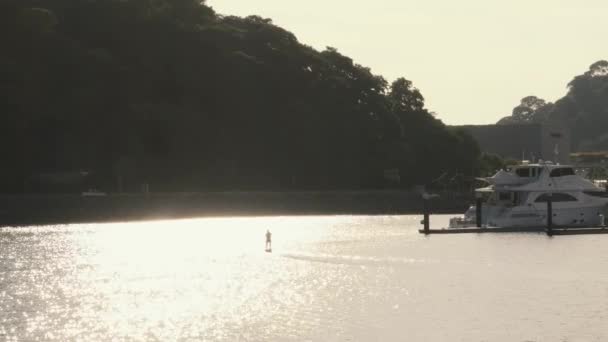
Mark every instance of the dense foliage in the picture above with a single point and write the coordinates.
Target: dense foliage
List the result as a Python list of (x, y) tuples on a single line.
[(167, 92), (584, 109)]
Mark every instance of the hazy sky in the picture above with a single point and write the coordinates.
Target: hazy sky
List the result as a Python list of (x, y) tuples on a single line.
[(473, 60)]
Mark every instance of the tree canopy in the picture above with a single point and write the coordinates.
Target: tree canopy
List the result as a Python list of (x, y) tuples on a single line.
[(172, 94), (584, 109)]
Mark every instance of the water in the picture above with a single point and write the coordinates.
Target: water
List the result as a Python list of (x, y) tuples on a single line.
[(329, 278)]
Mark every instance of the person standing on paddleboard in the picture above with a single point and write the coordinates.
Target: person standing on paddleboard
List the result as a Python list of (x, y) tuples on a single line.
[(268, 240)]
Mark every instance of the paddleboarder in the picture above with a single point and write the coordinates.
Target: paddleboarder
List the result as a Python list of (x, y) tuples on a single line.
[(268, 240)]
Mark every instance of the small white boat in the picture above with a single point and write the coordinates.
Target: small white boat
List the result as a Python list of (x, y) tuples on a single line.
[(93, 192), (518, 196)]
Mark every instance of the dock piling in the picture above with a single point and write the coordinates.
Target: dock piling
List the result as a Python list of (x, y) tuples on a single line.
[(426, 216), (549, 215), (478, 210)]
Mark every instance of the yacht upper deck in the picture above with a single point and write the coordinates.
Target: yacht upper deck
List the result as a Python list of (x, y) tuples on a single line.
[(544, 174)]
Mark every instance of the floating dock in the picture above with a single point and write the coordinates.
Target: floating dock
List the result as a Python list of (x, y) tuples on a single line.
[(550, 229), (579, 231), (553, 231), (483, 230)]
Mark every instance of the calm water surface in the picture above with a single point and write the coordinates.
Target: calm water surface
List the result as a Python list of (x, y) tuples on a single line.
[(329, 278)]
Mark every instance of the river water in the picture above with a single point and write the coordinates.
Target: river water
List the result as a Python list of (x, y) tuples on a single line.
[(329, 278)]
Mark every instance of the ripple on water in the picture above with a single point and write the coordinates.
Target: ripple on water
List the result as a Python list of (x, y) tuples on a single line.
[(333, 278)]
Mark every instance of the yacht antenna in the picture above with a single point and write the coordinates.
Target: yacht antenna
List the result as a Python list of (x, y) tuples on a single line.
[(556, 152)]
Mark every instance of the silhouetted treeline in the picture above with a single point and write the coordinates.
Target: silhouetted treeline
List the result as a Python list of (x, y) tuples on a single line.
[(584, 109), (167, 92)]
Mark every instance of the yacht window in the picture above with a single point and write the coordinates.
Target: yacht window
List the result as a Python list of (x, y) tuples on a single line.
[(556, 197), (564, 171), (603, 194), (504, 196), (538, 171), (522, 197), (525, 172)]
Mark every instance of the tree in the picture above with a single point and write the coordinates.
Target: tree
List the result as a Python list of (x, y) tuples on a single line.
[(531, 109), (584, 109), (37, 20), (490, 164), (198, 101), (405, 97), (599, 68)]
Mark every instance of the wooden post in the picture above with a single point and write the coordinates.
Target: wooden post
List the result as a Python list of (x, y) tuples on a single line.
[(478, 204), (426, 216), (549, 215)]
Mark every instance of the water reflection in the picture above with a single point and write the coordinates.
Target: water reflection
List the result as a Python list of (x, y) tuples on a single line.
[(151, 280), (329, 278)]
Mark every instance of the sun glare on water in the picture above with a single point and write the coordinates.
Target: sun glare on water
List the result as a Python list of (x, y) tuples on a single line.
[(358, 278), (143, 276)]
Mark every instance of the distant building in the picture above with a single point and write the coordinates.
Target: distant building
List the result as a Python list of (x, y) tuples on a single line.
[(596, 158), (592, 165), (523, 141)]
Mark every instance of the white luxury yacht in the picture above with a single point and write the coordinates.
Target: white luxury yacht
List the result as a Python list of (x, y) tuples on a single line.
[(517, 197)]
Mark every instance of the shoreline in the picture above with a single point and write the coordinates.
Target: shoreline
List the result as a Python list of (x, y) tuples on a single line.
[(32, 210)]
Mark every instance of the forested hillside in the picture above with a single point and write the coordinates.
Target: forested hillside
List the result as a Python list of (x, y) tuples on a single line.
[(584, 109), (168, 92)]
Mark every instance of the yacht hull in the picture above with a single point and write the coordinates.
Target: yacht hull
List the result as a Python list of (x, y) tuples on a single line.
[(580, 216), (519, 197)]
